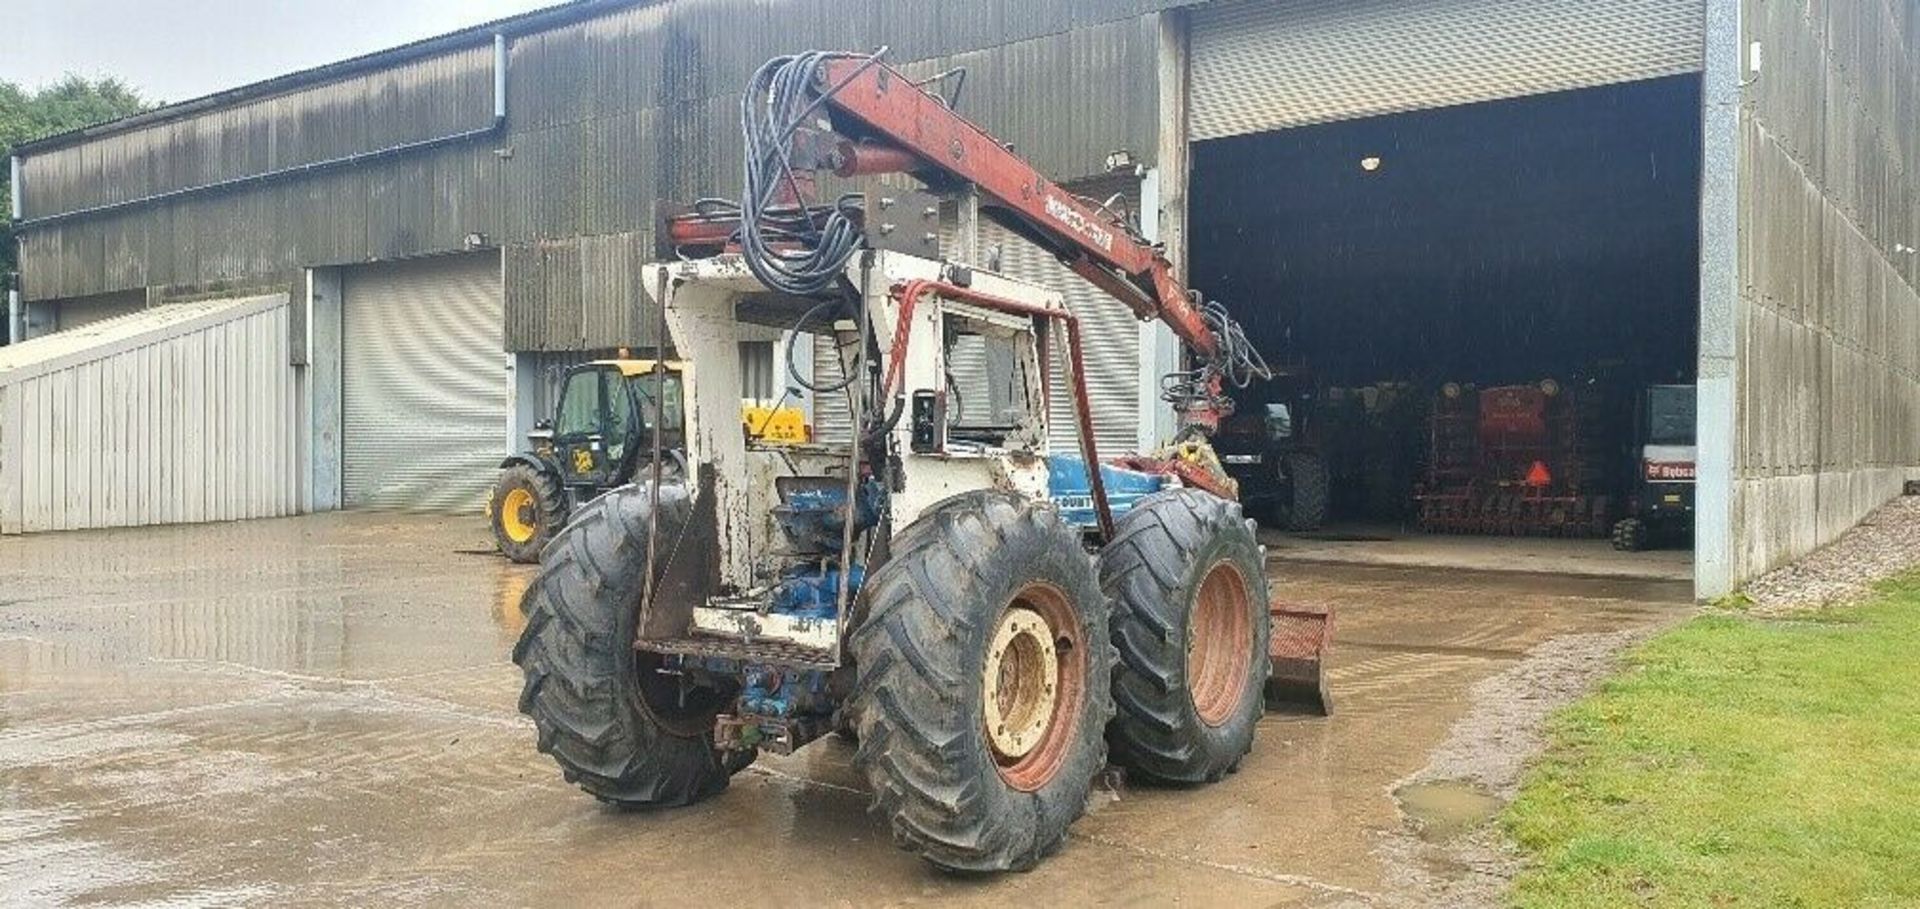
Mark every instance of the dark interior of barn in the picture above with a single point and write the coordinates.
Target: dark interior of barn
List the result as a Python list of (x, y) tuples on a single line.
[(1493, 244)]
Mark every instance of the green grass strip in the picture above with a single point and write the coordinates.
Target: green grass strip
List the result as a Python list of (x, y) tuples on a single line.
[(1738, 762)]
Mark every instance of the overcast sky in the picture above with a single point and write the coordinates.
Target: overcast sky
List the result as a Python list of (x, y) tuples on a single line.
[(173, 50)]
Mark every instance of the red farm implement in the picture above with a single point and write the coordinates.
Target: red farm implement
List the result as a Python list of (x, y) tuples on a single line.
[(1523, 460)]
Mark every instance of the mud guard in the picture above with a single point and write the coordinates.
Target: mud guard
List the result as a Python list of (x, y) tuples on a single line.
[(531, 461)]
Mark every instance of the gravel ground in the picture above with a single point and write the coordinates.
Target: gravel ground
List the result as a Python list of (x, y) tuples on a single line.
[(1489, 748), (1885, 544)]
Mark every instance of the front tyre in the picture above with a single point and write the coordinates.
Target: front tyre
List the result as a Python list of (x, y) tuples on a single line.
[(620, 729), (1190, 620), (526, 509), (983, 683)]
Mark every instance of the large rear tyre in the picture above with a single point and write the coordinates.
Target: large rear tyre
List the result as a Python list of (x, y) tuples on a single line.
[(1190, 620), (982, 691), (1311, 488), (526, 509), (619, 729)]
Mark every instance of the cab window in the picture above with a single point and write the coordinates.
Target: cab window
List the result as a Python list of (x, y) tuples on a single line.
[(643, 391), (580, 405), (1279, 421), (986, 382), (1670, 415), (619, 414)]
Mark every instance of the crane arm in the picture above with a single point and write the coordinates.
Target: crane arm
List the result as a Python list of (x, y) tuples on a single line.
[(852, 115), (900, 116), (898, 126)]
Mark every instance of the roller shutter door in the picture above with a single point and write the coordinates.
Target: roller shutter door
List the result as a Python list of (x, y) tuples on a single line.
[(424, 383), (1266, 65)]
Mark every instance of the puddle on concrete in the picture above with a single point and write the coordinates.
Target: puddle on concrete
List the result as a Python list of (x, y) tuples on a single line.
[(1444, 809)]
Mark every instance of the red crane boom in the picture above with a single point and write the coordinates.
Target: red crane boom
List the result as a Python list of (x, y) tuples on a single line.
[(883, 122), (903, 117)]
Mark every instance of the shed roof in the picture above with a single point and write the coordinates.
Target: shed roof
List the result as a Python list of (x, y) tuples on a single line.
[(105, 338), (561, 13)]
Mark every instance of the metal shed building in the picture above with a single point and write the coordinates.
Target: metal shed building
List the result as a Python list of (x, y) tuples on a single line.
[(180, 414), (539, 146)]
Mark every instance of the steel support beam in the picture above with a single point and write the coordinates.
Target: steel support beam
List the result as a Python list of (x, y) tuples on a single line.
[(1717, 421)]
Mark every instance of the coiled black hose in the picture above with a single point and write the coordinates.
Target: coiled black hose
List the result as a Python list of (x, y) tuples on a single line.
[(1235, 361), (796, 248)]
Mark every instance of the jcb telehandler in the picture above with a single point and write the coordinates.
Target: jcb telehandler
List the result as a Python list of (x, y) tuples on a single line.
[(986, 615), (600, 437)]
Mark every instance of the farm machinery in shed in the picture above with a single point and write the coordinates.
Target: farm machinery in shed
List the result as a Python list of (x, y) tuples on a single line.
[(986, 616), (1533, 460), (1660, 496)]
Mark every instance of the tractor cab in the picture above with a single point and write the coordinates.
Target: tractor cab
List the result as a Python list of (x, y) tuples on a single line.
[(1269, 447), (600, 435), (605, 420)]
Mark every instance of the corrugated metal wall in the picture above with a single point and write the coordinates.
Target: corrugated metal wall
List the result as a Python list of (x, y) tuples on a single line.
[(168, 417), (606, 115), (1259, 65)]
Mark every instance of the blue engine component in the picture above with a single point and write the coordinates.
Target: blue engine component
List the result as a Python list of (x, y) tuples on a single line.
[(771, 692), (807, 591), (1069, 488), (813, 511)]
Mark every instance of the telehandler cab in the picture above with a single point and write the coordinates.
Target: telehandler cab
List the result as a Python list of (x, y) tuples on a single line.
[(600, 437)]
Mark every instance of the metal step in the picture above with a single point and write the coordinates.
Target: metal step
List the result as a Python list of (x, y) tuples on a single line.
[(784, 654), (728, 621)]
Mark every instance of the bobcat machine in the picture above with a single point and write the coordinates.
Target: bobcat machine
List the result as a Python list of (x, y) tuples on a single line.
[(1660, 503), (989, 621)]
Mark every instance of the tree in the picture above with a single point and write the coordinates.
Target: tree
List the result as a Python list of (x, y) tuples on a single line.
[(71, 103)]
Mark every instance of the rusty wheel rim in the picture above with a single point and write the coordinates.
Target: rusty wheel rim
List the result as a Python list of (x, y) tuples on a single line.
[(1218, 655), (1032, 686)]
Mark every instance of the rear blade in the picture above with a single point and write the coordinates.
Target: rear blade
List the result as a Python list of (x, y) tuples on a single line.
[(1302, 637)]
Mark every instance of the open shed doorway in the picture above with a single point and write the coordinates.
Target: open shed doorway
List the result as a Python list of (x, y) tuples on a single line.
[(1400, 268)]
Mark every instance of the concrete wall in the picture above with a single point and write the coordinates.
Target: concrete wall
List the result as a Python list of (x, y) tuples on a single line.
[(1827, 348)]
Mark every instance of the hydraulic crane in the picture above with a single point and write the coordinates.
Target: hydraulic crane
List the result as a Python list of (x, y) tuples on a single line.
[(923, 584), (886, 124)]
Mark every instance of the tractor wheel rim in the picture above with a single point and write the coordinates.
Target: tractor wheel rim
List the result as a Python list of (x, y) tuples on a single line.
[(1218, 644), (1032, 686), (517, 517)]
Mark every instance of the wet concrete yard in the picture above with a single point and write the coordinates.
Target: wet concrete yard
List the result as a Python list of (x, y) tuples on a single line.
[(321, 711)]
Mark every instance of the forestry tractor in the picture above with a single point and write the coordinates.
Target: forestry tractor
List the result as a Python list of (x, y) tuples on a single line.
[(989, 618)]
